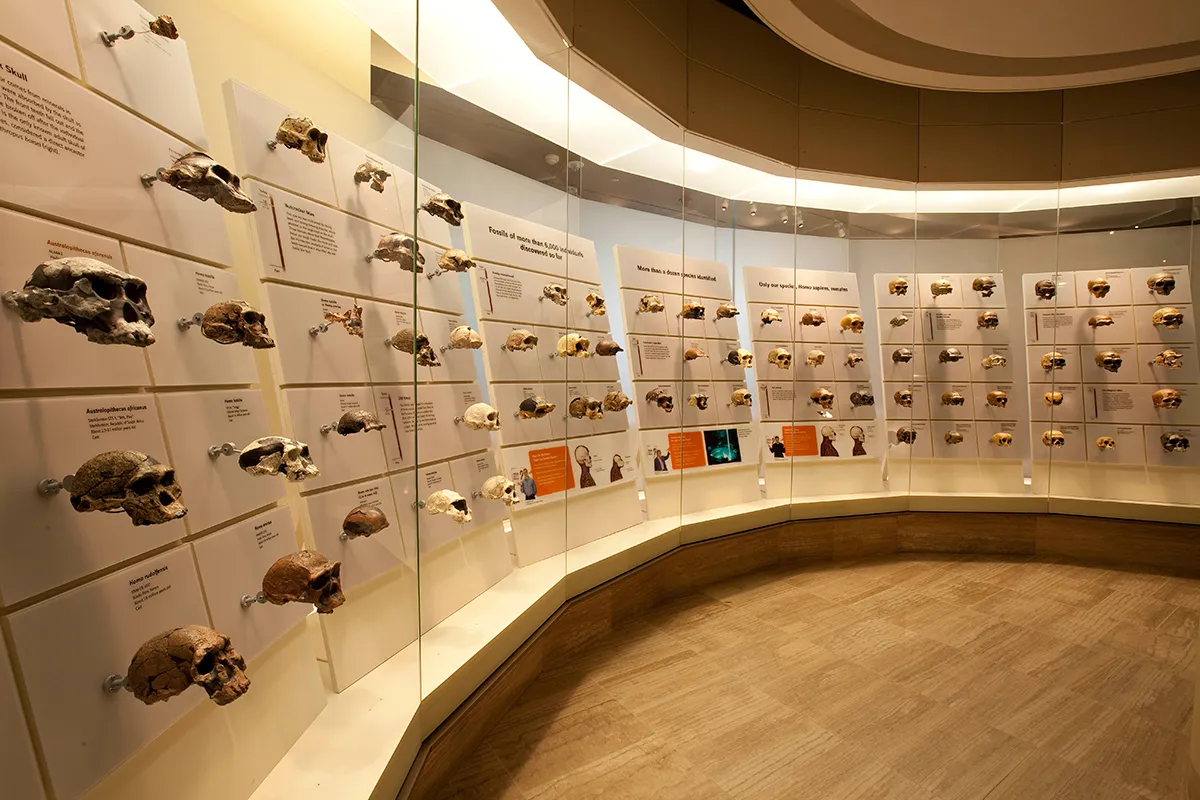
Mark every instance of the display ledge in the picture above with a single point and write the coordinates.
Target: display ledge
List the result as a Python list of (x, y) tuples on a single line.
[(379, 713)]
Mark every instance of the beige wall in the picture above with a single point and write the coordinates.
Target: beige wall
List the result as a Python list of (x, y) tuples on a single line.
[(726, 77)]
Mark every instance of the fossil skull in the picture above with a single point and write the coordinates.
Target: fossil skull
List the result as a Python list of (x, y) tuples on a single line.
[(902, 355), (555, 293), (985, 285), (164, 26), (699, 400), (450, 503), (853, 360), (1174, 442), (780, 357), (373, 174), (1109, 360), (234, 321), (950, 355), (608, 347), (1168, 318), (616, 401), (822, 397), (455, 260), (997, 398), (661, 399), (1171, 359), (861, 399), (464, 338), (358, 420), (815, 358), (953, 399), (481, 417), (906, 435), (941, 287), (350, 319), (167, 664), (1100, 321), (650, 304), (596, 304), (740, 358), (1163, 398), (742, 397), (104, 304), (954, 437), (131, 482), (402, 250), (903, 398), (813, 319), (1099, 288), (1054, 438), (692, 309), (520, 339), (364, 521), (988, 320), (1054, 360), (1045, 289), (1161, 283), (1053, 398), (406, 340), (1002, 439), (1105, 443), (899, 320), (200, 176), (853, 322), (769, 316), (898, 287), (727, 311), (573, 345), (299, 133), (499, 487), (993, 360), (445, 208), (588, 407), (305, 577), (535, 407), (276, 455), (692, 353)]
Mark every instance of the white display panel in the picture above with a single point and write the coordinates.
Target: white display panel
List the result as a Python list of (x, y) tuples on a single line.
[(335, 356), (1072, 372), (1072, 408), (18, 764), (358, 197), (1148, 332), (340, 458), (456, 364), (469, 475), (180, 289), (430, 417), (434, 530), (88, 168), (1064, 290), (1187, 369), (232, 564), (922, 447), (42, 28), (366, 557), (1143, 295), (967, 448), (215, 487), (97, 629), (52, 438), (1117, 294), (503, 239), (512, 365), (962, 327), (1075, 445), (76, 362), (652, 271), (777, 331), (985, 430), (891, 297), (926, 283), (148, 73), (512, 294), (1129, 445), (387, 364), (638, 322), (1157, 455)]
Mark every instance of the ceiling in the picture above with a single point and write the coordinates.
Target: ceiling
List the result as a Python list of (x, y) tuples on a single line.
[(988, 46)]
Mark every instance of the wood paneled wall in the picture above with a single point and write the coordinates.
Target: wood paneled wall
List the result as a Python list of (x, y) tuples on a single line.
[(721, 75)]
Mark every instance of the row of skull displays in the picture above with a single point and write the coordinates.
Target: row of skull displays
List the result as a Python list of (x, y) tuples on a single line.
[(666, 402), (1160, 283)]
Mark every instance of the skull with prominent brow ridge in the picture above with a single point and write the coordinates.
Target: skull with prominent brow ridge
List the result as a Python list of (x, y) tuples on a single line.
[(299, 133)]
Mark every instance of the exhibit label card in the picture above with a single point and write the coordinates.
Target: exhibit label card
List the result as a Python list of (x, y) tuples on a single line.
[(503, 239)]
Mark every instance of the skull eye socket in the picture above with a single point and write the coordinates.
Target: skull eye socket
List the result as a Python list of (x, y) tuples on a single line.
[(459, 505), (168, 478), (304, 451), (207, 663), (135, 291), (144, 485), (321, 581), (129, 313), (105, 289), (222, 172)]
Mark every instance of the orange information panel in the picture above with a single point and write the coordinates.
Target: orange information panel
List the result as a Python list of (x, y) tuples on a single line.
[(687, 450), (800, 440), (551, 470)]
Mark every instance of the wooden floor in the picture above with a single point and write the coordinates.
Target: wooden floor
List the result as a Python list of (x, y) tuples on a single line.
[(957, 678)]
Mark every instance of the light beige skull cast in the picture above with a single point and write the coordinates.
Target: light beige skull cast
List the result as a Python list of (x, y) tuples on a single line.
[(200, 176), (1053, 398), (661, 399), (358, 420), (595, 304), (1171, 359), (699, 400), (993, 360), (455, 260), (616, 401), (1174, 442), (586, 407), (903, 398), (941, 287), (1162, 283), (481, 417), (375, 175), (1105, 443), (399, 249), (608, 347), (1053, 438), (727, 311), (299, 133), (1100, 321), (573, 345), (854, 359), (898, 321), (988, 320), (814, 319), (742, 397), (953, 399), (1099, 288), (535, 407), (130, 482), (740, 358), (445, 208), (1169, 317), (822, 397), (406, 340), (167, 664), (499, 487), (276, 455), (780, 357), (1109, 360), (692, 353), (853, 322), (1167, 398), (650, 304), (104, 304), (233, 322), (305, 577), (555, 293), (815, 358), (953, 437), (769, 316), (1054, 360), (1001, 439), (997, 398), (464, 338), (898, 287), (985, 285), (450, 503), (521, 339)]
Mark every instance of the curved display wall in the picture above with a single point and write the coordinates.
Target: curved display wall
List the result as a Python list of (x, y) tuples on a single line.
[(325, 385)]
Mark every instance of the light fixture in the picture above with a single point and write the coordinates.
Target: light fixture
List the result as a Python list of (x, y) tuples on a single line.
[(799, 219), (753, 210), (724, 206)]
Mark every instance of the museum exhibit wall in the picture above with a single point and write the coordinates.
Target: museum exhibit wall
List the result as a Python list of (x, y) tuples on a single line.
[(702, 363)]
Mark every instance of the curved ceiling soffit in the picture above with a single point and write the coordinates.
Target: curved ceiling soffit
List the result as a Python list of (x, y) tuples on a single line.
[(1023, 46)]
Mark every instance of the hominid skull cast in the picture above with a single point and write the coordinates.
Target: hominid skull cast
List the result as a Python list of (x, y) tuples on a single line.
[(608, 347), (953, 437), (400, 249), (854, 359), (555, 293), (234, 321), (741, 397), (903, 398), (988, 320), (941, 287), (464, 338), (953, 399), (1169, 317), (1001, 439), (997, 398), (692, 309), (450, 503), (482, 417), (1171, 359), (106, 305), (727, 311), (699, 400), (616, 401), (1109, 360), (814, 319), (1100, 321), (650, 304), (1174, 442), (520, 339), (1053, 438), (364, 521), (950, 355), (898, 287), (455, 260), (740, 358), (1045, 289), (1053, 361), (596, 304), (406, 340), (905, 435), (862, 399), (815, 358), (167, 664), (350, 319), (358, 420), (1163, 398), (693, 353), (573, 345), (371, 173), (780, 357), (128, 481), (200, 176), (822, 397), (769, 316), (853, 322), (985, 285), (535, 408), (445, 208), (993, 360), (1099, 288), (1053, 398), (586, 407), (1106, 443), (276, 455), (661, 399), (902, 355), (499, 487), (305, 577), (898, 321), (299, 133), (1161, 283)]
